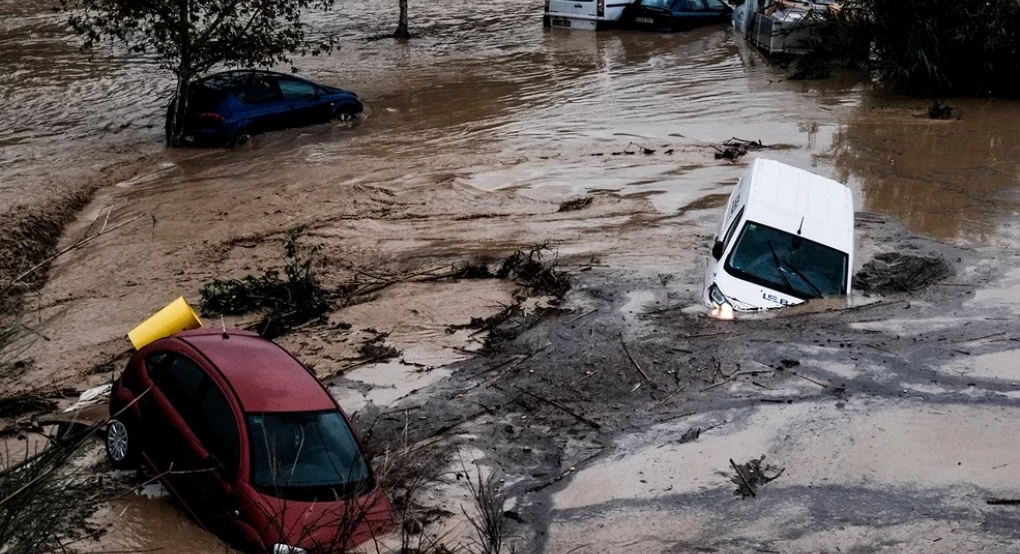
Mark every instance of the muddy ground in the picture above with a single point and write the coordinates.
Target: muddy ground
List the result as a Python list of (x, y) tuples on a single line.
[(891, 418)]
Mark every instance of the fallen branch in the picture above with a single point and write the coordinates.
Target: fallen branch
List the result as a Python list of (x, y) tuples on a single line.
[(810, 380), (1003, 501), (563, 408), (632, 360), (743, 478)]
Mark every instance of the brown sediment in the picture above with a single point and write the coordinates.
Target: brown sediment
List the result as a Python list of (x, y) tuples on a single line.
[(29, 233)]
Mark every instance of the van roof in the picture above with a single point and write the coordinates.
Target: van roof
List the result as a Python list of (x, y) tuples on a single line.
[(782, 196)]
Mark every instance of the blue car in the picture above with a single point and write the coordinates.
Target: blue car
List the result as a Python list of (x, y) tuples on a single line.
[(227, 108), (675, 15)]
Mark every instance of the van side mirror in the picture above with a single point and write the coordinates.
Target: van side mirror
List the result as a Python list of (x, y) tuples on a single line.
[(717, 250)]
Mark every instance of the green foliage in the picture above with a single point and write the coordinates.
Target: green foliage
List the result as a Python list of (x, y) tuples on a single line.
[(197, 35), (284, 302), (929, 47)]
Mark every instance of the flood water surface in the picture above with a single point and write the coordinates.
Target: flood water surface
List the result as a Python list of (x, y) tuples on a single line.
[(488, 97), (474, 133)]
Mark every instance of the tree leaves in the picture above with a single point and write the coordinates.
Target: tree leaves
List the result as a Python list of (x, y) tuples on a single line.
[(929, 47), (214, 33)]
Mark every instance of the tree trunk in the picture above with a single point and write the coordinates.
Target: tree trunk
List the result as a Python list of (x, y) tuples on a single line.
[(179, 108), (402, 31)]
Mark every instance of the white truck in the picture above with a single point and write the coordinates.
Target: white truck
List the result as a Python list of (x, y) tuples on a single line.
[(589, 15), (786, 236)]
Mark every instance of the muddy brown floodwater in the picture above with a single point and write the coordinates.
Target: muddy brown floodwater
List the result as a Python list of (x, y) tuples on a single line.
[(475, 132)]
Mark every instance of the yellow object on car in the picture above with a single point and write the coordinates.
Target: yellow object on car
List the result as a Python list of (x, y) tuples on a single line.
[(175, 317)]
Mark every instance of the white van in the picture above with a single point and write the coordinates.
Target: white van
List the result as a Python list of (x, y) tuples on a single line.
[(786, 236), (589, 15)]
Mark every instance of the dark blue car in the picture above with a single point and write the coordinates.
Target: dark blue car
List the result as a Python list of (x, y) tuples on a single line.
[(675, 15), (227, 108)]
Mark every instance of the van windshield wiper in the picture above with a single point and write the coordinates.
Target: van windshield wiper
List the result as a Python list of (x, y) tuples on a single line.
[(779, 269), (804, 278)]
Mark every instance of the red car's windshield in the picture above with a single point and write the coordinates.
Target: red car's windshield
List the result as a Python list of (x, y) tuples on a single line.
[(307, 456)]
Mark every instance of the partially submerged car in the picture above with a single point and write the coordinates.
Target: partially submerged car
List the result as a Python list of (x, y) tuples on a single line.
[(786, 236), (249, 441), (655, 15), (675, 15), (227, 108), (588, 15)]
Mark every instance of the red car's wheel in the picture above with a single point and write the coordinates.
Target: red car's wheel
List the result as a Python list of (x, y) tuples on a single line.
[(121, 447)]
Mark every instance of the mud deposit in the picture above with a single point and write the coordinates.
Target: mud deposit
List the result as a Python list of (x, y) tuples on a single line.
[(891, 416)]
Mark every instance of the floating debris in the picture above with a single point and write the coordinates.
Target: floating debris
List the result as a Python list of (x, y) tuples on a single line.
[(576, 204), (940, 110), (735, 148), (895, 272), (751, 476), (691, 435)]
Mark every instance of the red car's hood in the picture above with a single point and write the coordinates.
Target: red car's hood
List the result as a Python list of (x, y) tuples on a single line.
[(325, 527)]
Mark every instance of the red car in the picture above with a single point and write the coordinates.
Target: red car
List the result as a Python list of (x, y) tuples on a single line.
[(249, 441)]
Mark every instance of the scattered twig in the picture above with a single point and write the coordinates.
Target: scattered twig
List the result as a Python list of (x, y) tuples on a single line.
[(668, 398), (880, 349), (705, 335), (752, 372), (678, 416), (717, 385), (501, 374), (993, 335), (589, 312), (585, 376)]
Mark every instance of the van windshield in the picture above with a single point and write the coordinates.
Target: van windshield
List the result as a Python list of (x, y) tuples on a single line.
[(306, 456), (787, 263)]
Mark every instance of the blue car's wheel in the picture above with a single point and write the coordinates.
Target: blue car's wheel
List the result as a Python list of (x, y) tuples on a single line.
[(345, 114)]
